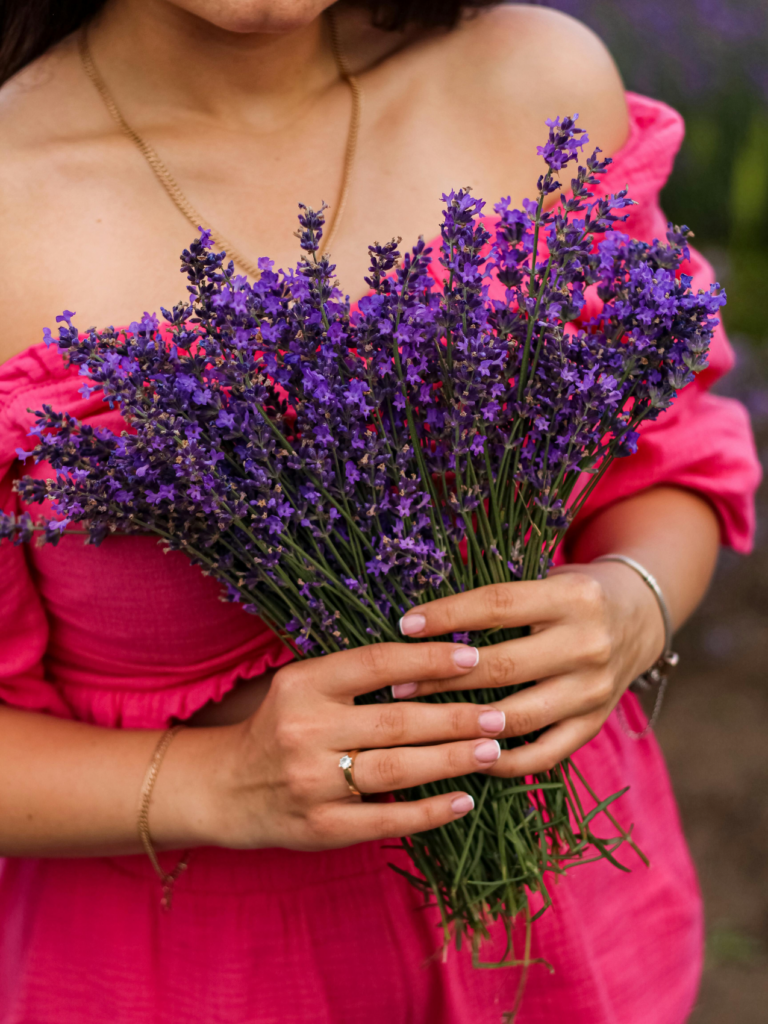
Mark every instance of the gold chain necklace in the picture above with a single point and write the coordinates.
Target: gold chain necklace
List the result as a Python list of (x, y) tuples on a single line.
[(170, 184)]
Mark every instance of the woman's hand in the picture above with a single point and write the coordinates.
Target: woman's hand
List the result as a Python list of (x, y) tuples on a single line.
[(594, 628), (274, 780)]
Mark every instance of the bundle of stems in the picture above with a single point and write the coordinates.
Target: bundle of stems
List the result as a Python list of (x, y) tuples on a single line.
[(335, 467)]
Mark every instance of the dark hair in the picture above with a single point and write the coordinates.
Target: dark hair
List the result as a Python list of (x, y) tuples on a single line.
[(29, 27)]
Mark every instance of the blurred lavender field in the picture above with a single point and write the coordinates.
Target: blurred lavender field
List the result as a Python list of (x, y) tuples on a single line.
[(709, 59)]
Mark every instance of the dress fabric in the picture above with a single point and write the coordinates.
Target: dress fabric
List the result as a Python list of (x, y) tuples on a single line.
[(124, 636)]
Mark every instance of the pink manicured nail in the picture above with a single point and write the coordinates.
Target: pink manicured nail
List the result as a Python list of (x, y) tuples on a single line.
[(492, 720), (488, 751), (405, 690), (462, 804), (412, 623), (466, 657)]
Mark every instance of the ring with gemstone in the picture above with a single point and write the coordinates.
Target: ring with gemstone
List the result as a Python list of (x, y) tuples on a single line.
[(347, 765)]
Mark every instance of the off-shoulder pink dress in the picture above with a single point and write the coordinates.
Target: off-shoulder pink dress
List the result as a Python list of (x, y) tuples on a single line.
[(127, 637)]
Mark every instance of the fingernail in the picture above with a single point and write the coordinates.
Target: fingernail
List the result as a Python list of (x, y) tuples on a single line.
[(492, 720), (404, 690), (488, 751), (466, 657), (462, 804), (412, 623)]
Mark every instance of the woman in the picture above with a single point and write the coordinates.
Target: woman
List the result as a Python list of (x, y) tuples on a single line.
[(289, 912)]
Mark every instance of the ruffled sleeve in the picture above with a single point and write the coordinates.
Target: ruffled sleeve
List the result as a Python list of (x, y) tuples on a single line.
[(121, 635), (23, 622), (703, 442)]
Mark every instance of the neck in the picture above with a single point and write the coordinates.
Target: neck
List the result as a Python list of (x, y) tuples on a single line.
[(169, 61)]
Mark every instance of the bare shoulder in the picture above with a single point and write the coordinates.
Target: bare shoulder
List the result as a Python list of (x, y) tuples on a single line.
[(32, 104), (540, 63), (24, 106), (39, 123)]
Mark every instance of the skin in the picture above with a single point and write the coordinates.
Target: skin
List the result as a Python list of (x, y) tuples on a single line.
[(253, 82)]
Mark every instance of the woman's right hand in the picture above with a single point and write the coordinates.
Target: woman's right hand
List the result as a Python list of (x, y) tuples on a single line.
[(275, 781)]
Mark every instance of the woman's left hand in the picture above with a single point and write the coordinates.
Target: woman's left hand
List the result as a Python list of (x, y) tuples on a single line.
[(594, 628)]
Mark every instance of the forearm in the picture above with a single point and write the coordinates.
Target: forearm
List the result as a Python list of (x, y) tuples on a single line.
[(70, 789), (674, 533)]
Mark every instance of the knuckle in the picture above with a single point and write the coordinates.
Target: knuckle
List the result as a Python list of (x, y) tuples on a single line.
[(583, 590), (519, 723), (375, 658), (390, 769), (302, 782), (287, 679), (429, 817), (319, 825), (460, 719), (598, 647), (500, 599), (600, 689), (434, 660), (384, 827), (590, 593), (500, 668), (289, 734), (423, 818), (294, 734), (456, 760), (392, 721)]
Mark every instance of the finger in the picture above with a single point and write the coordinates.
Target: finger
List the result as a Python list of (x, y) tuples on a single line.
[(345, 823), (364, 669), (538, 706), (403, 725), (556, 700), (549, 749), (554, 651), (386, 771), (501, 604)]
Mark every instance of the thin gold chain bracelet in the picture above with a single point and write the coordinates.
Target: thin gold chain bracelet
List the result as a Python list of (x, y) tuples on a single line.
[(167, 879)]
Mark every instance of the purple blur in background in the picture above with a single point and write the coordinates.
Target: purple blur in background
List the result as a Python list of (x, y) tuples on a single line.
[(709, 58)]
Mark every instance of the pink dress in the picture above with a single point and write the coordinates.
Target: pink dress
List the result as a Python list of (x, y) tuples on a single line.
[(124, 636)]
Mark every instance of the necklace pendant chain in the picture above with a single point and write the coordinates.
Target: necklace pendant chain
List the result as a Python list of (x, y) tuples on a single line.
[(171, 186)]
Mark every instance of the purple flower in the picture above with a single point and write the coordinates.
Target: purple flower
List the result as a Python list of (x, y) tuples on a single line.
[(333, 468), (430, 441)]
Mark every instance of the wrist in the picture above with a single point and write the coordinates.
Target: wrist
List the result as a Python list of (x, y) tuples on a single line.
[(190, 797), (638, 618)]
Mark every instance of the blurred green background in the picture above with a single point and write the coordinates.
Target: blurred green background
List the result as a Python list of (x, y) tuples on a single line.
[(709, 59)]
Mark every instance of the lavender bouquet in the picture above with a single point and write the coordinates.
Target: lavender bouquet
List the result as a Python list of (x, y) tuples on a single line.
[(334, 468)]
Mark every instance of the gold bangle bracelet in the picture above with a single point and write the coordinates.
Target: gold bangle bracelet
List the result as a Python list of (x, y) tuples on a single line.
[(167, 879)]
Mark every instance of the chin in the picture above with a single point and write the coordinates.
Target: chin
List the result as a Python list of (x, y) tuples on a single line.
[(245, 16)]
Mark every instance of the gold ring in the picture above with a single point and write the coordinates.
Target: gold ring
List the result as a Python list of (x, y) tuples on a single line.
[(347, 765)]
